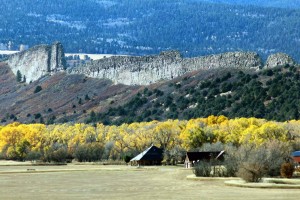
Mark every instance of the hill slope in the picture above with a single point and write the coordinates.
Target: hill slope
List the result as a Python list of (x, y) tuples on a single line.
[(272, 94), (57, 98)]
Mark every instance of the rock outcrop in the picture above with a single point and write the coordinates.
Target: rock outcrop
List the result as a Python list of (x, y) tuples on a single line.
[(279, 59), (38, 61), (144, 70), (134, 70)]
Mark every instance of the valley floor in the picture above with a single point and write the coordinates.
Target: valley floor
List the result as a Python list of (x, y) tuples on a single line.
[(120, 182)]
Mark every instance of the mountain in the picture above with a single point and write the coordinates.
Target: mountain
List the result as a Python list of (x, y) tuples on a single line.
[(271, 94), (261, 3), (265, 90), (140, 27)]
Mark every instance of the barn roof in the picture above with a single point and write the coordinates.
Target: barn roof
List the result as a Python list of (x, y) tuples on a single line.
[(206, 155), (296, 154), (152, 153)]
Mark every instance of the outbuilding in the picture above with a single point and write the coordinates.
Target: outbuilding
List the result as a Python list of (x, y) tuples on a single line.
[(296, 156), (194, 157), (151, 156)]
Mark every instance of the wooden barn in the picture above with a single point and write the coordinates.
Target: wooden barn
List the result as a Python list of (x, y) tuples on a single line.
[(296, 156), (151, 156), (194, 157)]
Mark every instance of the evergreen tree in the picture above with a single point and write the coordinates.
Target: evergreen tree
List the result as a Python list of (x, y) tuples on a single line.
[(19, 76)]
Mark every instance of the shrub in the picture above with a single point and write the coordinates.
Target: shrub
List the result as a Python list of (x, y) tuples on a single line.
[(164, 162), (38, 89), (219, 170), (251, 172), (33, 156), (57, 153), (127, 158), (231, 160), (81, 153), (202, 168), (287, 169), (253, 161), (277, 153), (89, 152), (87, 98), (37, 116)]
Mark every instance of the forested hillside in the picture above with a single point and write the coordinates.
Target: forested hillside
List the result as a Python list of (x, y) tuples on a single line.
[(271, 94), (148, 27), (262, 3)]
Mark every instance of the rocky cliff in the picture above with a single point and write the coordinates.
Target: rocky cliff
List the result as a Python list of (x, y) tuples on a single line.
[(279, 59), (38, 61), (135, 70), (144, 70)]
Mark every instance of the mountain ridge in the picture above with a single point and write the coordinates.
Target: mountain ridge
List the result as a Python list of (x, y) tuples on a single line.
[(59, 96), (144, 70), (138, 27), (42, 60)]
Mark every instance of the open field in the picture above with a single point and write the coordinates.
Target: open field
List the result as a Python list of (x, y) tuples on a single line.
[(120, 182)]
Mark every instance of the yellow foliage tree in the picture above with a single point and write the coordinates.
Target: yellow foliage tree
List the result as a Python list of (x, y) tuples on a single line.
[(16, 139)]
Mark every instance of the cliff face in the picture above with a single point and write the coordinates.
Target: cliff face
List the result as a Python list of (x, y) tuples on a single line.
[(38, 61), (279, 59), (134, 70), (144, 70)]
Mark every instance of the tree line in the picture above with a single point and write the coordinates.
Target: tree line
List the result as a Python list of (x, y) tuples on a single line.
[(85, 142)]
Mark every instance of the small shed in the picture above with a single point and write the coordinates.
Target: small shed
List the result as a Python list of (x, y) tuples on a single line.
[(151, 156), (194, 157), (296, 156)]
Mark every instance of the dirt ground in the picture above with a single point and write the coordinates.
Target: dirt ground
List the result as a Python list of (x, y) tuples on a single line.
[(121, 182)]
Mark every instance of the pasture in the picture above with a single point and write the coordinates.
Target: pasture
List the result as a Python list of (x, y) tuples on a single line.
[(120, 182)]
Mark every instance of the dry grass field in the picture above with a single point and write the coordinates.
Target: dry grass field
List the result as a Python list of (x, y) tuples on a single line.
[(120, 182)]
